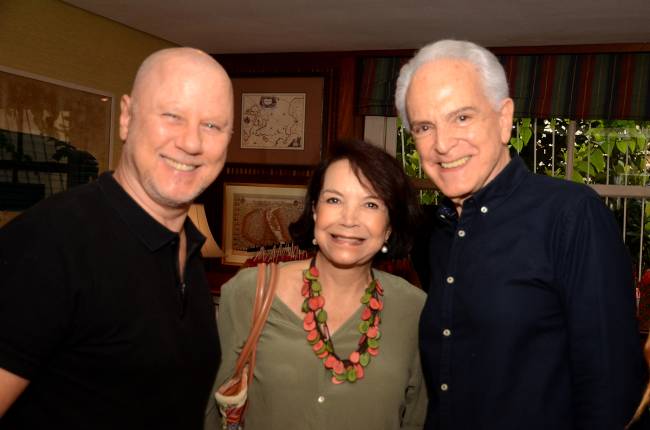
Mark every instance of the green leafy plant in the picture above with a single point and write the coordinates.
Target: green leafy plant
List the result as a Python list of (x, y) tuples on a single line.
[(410, 159), (612, 152)]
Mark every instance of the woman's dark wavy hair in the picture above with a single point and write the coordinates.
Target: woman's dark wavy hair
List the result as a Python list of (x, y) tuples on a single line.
[(387, 178)]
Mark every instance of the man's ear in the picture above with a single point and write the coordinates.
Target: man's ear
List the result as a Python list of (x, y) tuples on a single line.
[(126, 104), (505, 119)]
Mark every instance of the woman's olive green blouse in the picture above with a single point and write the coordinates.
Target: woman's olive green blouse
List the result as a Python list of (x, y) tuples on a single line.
[(291, 388)]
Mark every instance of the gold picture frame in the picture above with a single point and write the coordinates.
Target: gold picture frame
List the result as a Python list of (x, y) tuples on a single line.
[(258, 215), (53, 135)]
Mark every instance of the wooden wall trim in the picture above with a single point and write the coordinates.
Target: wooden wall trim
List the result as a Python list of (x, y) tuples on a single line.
[(529, 50), (347, 94), (572, 49), (501, 50)]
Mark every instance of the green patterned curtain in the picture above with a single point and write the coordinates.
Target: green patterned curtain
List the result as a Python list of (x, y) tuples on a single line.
[(602, 86)]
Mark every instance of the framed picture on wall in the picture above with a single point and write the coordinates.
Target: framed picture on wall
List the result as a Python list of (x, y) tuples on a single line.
[(278, 120), (53, 136), (258, 215)]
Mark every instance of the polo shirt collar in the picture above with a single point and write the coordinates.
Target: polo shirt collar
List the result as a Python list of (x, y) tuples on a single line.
[(149, 231)]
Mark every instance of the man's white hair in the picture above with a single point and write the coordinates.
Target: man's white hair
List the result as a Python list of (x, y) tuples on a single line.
[(492, 74)]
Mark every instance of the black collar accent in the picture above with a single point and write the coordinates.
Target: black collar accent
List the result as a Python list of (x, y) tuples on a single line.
[(503, 185), (150, 232)]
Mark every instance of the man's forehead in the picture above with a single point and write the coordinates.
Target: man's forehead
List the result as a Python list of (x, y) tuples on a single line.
[(447, 80), (172, 85), (445, 69), (172, 71), (177, 66)]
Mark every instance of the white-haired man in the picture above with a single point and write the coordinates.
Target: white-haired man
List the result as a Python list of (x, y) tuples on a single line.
[(106, 319), (529, 321)]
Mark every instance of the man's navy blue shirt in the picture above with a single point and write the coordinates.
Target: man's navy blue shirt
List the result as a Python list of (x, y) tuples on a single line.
[(530, 318)]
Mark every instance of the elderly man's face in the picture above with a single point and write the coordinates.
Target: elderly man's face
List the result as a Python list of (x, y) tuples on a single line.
[(177, 126), (460, 137)]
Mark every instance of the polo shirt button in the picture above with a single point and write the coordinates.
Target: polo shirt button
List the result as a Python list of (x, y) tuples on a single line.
[(484, 209), (321, 399), (461, 233), (450, 279), (446, 332), (444, 387)]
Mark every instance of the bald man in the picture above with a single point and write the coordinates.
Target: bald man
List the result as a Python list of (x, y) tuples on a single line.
[(106, 319)]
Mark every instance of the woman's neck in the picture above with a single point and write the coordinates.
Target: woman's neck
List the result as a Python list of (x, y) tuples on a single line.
[(342, 281)]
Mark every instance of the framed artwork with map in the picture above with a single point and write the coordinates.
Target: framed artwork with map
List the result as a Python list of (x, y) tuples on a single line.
[(278, 120), (256, 216)]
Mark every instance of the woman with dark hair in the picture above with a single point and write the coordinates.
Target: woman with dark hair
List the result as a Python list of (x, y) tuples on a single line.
[(339, 349)]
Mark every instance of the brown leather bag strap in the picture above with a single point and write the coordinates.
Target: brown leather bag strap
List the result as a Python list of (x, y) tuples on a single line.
[(264, 294), (267, 302)]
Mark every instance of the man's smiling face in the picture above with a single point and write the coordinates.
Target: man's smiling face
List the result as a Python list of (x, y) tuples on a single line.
[(176, 126), (460, 136)]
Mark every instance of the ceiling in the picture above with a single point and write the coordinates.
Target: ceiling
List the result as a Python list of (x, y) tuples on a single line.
[(249, 26)]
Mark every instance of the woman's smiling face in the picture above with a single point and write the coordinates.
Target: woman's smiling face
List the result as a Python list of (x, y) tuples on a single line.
[(351, 221)]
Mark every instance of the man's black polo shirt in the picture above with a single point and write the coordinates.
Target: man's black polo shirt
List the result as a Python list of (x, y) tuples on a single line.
[(91, 312), (530, 321)]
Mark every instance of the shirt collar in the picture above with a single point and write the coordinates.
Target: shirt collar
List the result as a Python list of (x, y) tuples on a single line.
[(490, 196), (446, 211), (149, 231), (502, 185)]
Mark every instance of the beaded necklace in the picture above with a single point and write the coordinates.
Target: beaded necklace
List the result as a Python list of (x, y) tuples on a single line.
[(318, 335)]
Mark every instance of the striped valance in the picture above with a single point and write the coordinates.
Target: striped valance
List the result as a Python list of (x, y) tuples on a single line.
[(604, 86), (377, 90)]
